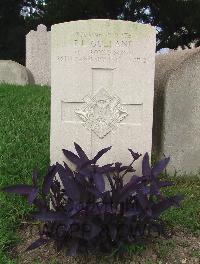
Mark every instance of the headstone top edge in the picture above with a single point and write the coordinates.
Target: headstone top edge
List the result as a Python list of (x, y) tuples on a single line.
[(94, 21), (41, 27), (30, 32)]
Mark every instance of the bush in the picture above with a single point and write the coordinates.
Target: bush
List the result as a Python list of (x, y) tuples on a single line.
[(79, 213)]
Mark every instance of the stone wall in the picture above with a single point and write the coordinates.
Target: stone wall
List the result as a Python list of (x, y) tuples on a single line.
[(176, 128), (38, 55)]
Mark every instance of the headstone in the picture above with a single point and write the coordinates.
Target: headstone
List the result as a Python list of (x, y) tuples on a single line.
[(38, 55), (12, 72), (102, 88), (176, 128)]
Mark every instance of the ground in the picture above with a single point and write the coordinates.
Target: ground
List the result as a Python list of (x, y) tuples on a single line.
[(24, 145), (183, 248)]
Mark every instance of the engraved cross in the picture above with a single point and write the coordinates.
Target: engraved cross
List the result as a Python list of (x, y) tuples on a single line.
[(101, 111)]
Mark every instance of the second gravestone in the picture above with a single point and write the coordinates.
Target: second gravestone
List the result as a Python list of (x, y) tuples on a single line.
[(102, 88)]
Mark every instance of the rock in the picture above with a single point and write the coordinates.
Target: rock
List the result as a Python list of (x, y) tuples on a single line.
[(12, 72)]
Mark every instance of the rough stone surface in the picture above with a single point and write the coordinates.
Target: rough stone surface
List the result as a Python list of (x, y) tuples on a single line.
[(176, 128), (12, 72), (102, 88), (38, 55)]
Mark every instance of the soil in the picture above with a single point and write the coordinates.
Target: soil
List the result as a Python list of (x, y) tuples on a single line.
[(182, 248)]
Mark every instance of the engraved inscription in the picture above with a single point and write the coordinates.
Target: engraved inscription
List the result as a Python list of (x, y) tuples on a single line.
[(101, 112), (101, 47), (100, 56), (102, 40)]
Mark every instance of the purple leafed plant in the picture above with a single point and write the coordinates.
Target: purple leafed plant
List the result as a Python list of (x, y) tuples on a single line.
[(79, 213)]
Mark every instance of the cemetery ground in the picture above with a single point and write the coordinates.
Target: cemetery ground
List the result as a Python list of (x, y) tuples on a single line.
[(24, 145)]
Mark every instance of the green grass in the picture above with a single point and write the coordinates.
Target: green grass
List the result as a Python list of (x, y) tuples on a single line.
[(188, 214), (24, 145)]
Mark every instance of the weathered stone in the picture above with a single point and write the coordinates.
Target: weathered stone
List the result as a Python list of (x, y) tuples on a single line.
[(102, 88), (38, 55), (12, 72), (176, 128)]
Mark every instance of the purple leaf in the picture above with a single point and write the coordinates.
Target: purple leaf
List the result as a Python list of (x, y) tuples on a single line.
[(99, 181), (80, 178), (146, 169), (68, 170), (72, 157), (80, 152), (135, 155), (127, 168), (106, 197), (50, 216), (143, 188), (89, 231), (120, 168), (32, 195), (41, 205), (39, 242), (21, 189), (35, 177), (165, 184), (129, 188), (158, 168), (106, 168), (75, 209), (118, 165), (84, 164), (71, 187), (163, 205), (143, 200), (94, 191), (102, 209), (48, 179), (154, 188), (101, 153), (131, 212), (110, 181)]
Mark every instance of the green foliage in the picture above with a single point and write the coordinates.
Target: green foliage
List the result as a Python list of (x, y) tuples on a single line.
[(177, 21), (24, 144), (14, 27), (12, 30), (135, 249), (188, 216), (4, 258)]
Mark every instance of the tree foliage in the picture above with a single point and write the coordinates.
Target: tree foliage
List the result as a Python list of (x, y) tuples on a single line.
[(12, 32), (177, 21)]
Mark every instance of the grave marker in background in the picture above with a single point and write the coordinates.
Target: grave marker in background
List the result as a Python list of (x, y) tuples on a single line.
[(38, 55), (176, 129)]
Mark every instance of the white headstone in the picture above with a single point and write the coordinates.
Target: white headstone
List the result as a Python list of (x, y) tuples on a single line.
[(38, 55), (102, 88), (176, 130)]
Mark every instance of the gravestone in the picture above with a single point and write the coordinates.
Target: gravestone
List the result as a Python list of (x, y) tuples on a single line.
[(176, 128), (38, 55), (102, 88), (12, 72)]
